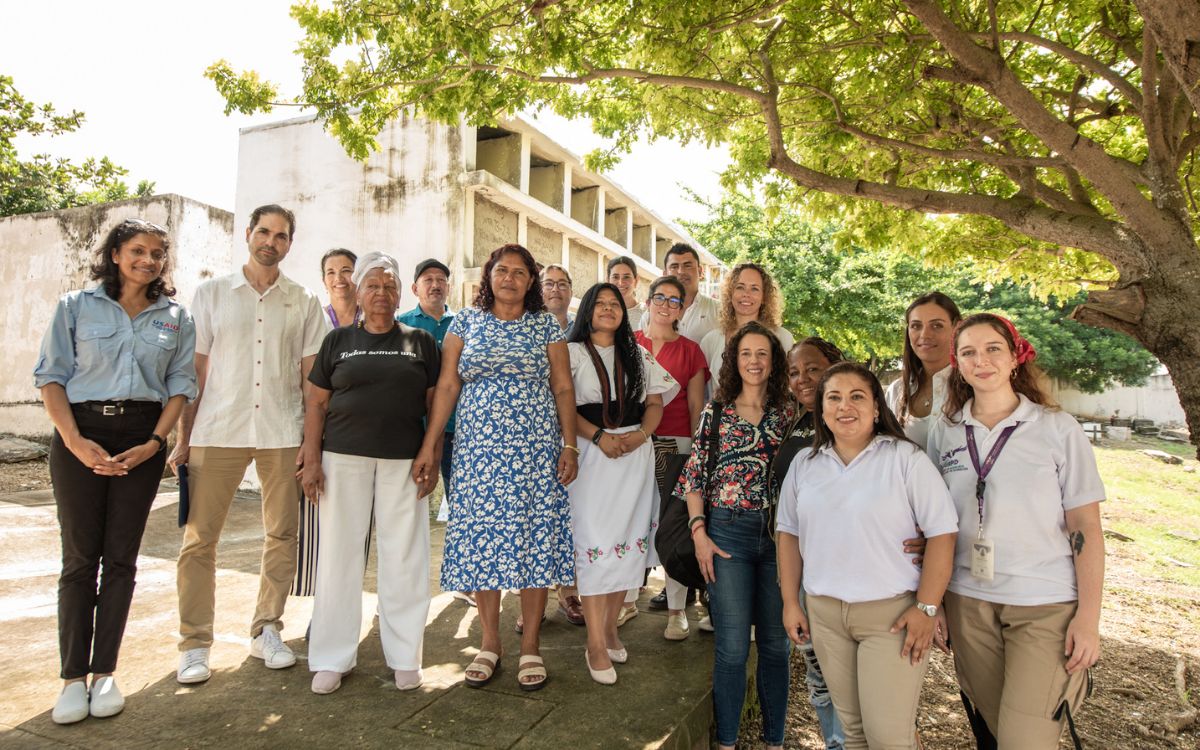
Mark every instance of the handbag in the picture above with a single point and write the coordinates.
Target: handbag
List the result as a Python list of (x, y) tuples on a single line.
[(673, 541)]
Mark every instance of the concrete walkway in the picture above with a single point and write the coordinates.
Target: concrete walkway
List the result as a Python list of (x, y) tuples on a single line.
[(662, 698)]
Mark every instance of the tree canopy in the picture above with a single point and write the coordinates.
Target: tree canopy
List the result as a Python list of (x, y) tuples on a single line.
[(856, 298), (1054, 141), (42, 182)]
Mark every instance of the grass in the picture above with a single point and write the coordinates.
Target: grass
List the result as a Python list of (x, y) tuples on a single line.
[(1156, 504)]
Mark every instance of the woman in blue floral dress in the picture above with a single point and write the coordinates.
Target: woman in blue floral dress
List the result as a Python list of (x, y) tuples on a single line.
[(505, 364)]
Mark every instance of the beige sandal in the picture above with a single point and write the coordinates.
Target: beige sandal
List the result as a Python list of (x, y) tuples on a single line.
[(486, 663), (537, 670)]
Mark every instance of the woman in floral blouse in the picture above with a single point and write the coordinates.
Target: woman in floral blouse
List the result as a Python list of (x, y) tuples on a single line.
[(734, 544)]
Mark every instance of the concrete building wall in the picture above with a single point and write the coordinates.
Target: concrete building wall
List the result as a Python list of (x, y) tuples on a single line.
[(1155, 400), (46, 255), (404, 200)]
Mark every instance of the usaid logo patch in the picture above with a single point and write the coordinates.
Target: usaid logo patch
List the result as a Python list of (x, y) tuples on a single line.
[(164, 325), (949, 462)]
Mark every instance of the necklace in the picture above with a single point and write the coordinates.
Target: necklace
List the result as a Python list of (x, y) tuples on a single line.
[(926, 403)]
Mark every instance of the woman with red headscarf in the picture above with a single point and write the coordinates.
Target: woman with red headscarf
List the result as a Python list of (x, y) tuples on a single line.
[(1023, 606)]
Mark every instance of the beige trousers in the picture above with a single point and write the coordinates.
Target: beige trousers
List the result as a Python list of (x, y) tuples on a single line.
[(213, 478), (1010, 663), (874, 689)]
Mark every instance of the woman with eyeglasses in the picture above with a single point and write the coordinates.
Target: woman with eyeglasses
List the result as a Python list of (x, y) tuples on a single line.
[(115, 370), (748, 294), (681, 357)]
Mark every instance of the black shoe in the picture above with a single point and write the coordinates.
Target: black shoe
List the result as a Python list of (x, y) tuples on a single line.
[(659, 601)]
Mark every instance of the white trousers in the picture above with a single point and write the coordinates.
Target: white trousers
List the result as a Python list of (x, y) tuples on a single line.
[(356, 487)]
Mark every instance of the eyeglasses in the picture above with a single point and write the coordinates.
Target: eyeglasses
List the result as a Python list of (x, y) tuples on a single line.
[(672, 302), (562, 285)]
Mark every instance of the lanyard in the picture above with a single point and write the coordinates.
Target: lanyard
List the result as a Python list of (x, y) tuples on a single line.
[(983, 470), (333, 316)]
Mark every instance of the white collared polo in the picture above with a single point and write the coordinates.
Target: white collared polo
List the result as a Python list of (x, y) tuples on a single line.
[(1046, 468), (851, 520), (255, 342), (917, 428)]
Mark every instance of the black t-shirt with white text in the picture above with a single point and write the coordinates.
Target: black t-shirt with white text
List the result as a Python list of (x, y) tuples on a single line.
[(378, 381)]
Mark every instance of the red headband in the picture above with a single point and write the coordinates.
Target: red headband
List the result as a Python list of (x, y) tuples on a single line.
[(1024, 350)]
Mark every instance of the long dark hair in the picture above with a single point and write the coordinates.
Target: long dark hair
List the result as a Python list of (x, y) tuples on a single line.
[(912, 369), (731, 378), (628, 352), (486, 298), (887, 424), (1027, 378), (105, 268)]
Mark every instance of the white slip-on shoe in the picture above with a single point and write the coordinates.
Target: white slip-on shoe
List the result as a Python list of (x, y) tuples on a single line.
[(325, 682), (193, 666), (677, 627), (269, 647), (106, 699), (72, 704), (408, 679)]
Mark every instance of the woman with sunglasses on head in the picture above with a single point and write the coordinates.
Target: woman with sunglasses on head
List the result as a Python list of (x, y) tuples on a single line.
[(748, 294), (1023, 609), (916, 397), (683, 359), (115, 370), (730, 517), (846, 506), (619, 394)]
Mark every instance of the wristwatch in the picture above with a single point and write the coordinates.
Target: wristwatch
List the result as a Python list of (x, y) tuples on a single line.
[(929, 609), (161, 443)]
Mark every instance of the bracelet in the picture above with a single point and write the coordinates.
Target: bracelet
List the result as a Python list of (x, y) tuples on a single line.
[(597, 435), (699, 526), (695, 520), (571, 448), (161, 443), (644, 434)]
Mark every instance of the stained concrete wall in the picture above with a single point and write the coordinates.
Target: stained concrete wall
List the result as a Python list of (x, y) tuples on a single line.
[(404, 200), (45, 255), (1155, 400)]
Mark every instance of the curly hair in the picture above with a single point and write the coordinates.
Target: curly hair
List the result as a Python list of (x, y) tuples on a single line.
[(731, 378), (105, 268), (771, 312), (886, 424), (827, 349), (627, 348), (486, 298), (912, 369), (1026, 379)]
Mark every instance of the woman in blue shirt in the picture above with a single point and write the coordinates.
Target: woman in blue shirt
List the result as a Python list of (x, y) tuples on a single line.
[(115, 370)]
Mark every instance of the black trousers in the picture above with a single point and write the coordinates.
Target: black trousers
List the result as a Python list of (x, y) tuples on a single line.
[(102, 520)]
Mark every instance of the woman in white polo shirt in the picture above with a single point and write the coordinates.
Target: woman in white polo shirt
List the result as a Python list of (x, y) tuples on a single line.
[(1024, 603), (863, 488)]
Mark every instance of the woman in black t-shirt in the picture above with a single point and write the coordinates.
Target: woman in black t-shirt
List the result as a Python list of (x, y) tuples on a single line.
[(362, 429)]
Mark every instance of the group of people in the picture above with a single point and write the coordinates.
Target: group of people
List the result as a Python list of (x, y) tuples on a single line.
[(958, 510)]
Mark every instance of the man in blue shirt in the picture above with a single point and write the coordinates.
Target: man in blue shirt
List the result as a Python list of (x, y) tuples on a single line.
[(430, 285)]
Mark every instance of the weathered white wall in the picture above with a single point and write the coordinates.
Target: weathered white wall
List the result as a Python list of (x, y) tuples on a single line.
[(45, 255), (1156, 400), (405, 200)]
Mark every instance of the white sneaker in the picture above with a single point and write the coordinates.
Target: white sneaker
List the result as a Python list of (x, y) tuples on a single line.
[(269, 647), (677, 627), (72, 704), (193, 666), (106, 698), (705, 624)]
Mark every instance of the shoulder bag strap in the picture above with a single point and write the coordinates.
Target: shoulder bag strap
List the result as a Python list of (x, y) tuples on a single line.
[(714, 451)]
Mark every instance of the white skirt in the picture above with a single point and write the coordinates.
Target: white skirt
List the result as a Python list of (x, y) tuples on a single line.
[(613, 506)]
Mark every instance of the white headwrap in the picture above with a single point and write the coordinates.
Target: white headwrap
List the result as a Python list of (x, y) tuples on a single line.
[(372, 260)]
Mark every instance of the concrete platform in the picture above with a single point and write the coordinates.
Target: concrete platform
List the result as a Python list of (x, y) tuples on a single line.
[(662, 698)]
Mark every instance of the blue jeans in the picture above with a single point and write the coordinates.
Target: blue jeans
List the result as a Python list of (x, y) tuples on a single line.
[(746, 593)]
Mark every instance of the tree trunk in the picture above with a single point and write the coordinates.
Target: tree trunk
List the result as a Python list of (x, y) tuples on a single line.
[(1162, 312)]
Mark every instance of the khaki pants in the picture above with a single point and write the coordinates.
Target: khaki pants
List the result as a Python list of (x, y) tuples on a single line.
[(213, 477), (874, 689), (1010, 663)]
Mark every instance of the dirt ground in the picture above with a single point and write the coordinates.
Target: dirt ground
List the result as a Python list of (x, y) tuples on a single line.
[(1148, 625)]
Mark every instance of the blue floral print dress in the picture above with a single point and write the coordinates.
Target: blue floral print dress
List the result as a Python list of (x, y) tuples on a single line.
[(509, 515)]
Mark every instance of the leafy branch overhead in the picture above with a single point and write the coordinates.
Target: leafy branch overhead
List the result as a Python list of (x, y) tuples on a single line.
[(45, 183), (1055, 141)]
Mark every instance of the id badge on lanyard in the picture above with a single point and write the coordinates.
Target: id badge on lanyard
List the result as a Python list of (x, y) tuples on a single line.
[(983, 551)]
